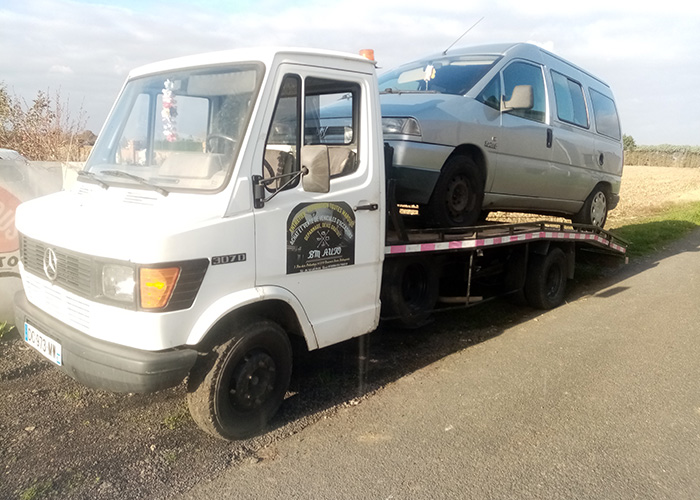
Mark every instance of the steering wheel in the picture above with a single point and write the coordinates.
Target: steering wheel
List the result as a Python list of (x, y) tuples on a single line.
[(217, 136)]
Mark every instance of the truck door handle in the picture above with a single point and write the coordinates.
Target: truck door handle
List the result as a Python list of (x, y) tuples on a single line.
[(368, 206), (550, 137)]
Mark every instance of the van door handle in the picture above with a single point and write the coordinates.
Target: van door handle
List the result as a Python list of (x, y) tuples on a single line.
[(368, 206), (550, 137)]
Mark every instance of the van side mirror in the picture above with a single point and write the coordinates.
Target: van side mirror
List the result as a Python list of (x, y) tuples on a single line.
[(522, 98), (317, 178)]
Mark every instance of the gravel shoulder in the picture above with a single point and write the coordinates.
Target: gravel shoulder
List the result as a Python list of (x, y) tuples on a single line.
[(62, 440)]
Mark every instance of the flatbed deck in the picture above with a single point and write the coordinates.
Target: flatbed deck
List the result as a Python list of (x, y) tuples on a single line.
[(498, 234)]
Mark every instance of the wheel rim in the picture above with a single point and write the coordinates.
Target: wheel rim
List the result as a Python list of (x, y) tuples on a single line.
[(553, 282), (599, 207), (253, 381), (414, 287), (458, 197)]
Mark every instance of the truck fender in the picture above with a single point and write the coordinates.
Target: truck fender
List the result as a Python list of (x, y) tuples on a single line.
[(243, 298)]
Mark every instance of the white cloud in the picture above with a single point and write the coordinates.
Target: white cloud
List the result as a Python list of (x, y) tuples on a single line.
[(645, 50), (63, 70)]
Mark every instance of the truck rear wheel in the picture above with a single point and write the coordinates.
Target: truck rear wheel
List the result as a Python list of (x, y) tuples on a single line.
[(545, 284), (458, 194), (409, 291), (236, 388)]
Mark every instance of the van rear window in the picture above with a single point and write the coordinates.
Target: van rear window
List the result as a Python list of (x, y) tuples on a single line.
[(606, 120)]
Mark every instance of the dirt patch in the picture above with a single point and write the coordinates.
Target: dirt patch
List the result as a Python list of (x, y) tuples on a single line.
[(644, 192)]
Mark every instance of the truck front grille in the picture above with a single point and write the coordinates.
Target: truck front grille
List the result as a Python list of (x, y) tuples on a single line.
[(75, 271)]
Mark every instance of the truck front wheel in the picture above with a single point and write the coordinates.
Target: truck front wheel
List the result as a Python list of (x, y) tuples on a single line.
[(236, 388)]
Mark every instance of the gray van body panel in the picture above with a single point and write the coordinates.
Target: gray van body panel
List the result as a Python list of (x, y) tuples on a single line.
[(548, 166)]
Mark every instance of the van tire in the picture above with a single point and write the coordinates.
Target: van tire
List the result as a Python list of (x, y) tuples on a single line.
[(595, 209), (545, 284), (235, 389), (409, 292), (458, 194)]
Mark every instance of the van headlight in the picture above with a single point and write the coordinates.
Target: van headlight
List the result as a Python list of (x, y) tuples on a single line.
[(118, 282), (401, 126)]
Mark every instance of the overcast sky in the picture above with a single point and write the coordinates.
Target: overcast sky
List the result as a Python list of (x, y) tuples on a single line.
[(649, 52)]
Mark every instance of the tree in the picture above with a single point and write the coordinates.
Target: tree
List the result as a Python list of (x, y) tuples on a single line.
[(43, 130), (628, 143)]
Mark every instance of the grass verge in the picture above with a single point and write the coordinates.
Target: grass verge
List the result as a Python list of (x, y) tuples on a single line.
[(655, 232)]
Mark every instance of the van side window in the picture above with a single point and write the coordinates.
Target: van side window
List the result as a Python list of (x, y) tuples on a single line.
[(607, 121), (491, 95), (283, 139), (571, 105), (331, 117), (522, 73)]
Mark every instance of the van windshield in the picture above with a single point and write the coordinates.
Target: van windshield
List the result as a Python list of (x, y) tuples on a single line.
[(177, 131), (446, 75)]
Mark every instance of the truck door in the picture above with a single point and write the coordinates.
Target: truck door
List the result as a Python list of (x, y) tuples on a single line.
[(324, 248)]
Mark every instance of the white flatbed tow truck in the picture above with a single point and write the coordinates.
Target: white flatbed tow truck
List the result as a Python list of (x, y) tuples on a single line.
[(220, 215)]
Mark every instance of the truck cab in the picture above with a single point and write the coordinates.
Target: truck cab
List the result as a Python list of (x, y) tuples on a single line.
[(214, 187)]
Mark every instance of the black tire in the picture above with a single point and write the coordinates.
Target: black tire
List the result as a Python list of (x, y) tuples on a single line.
[(545, 284), (595, 209), (409, 292), (458, 194), (233, 391)]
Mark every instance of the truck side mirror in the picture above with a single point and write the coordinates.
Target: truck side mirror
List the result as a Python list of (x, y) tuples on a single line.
[(317, 178), (522, 98)]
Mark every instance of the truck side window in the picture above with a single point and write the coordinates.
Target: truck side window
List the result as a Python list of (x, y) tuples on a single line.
[(331, 117), (283, 139), (522, 73), (571, 105), (606, 120)]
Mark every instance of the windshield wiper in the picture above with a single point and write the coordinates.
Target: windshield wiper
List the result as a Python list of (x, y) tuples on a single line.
[(93, 176), (140, 180)]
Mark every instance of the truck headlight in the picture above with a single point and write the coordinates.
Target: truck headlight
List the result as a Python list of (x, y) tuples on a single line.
[(401, 126), (118, 282)]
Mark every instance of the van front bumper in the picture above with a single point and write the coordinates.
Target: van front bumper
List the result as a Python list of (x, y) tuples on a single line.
[(105, 365)]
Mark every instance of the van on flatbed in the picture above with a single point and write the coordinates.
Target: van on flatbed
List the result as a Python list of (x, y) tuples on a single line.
[(502, 127), (219, 216)]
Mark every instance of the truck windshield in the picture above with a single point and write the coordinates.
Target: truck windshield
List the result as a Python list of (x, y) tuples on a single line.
[(446, 74), (177, 131)]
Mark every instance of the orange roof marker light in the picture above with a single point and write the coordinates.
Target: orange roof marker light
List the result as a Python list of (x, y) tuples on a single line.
[(367, 54)]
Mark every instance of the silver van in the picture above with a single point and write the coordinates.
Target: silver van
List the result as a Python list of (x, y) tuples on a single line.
[(502, 127)]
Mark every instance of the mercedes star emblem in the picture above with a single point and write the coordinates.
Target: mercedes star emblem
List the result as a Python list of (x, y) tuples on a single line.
[(50, 264)]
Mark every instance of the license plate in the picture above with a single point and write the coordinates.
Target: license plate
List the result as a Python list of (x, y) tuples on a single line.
[(45, 345)]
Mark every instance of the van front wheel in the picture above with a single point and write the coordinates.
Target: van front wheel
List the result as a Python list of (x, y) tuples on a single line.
[(236, 388), (458, 194)]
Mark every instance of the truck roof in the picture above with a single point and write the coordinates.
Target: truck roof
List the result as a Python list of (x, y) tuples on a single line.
[(266, 55)]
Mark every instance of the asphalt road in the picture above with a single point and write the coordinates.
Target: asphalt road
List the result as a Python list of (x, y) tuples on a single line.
[(599, 398)]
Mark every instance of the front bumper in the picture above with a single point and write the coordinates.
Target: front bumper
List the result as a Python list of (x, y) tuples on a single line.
[(105, 365)]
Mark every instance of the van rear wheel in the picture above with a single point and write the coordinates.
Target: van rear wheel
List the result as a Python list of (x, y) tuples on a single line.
[(595, 209)]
